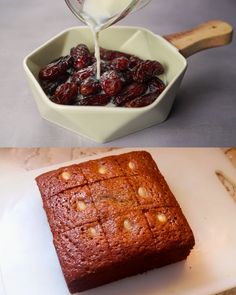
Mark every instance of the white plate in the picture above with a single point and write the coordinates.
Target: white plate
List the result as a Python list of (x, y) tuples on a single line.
[(29, 264)]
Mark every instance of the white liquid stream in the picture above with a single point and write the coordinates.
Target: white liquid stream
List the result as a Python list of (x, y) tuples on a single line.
[(96, 13)]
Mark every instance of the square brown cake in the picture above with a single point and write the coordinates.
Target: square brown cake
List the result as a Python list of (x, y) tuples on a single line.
[(111, 218)]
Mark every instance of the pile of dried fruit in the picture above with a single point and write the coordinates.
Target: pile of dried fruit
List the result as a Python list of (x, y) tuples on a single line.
[(126, 80)]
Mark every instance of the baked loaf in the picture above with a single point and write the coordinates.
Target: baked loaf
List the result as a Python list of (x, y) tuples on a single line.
[(112, 218)]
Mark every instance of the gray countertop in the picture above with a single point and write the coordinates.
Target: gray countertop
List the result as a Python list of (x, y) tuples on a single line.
[(204, 113)]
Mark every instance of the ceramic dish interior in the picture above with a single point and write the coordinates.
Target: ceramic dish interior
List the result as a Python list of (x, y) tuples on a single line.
[(103, 124)]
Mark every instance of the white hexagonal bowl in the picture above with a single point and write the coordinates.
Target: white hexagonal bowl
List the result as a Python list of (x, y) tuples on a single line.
[(104, 124)]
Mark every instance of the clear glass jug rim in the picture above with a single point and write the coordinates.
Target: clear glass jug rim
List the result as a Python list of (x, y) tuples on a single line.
[(133, 6)]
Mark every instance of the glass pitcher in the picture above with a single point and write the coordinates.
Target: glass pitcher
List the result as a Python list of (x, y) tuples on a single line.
[(117, 10)]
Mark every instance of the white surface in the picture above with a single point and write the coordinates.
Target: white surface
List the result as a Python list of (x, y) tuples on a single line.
[(28, 260)]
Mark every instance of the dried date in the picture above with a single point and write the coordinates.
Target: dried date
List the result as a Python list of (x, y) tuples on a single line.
[(129, 93), (120, 63), (79, 76), (145, 70), (112, 54), (133, 61), (111, 82), (50, 87), (126, 78), (82, 56), (142, 101), (89, 86), (106, 66), (56, 69), (94, 100), (65, 94), (156, 85)]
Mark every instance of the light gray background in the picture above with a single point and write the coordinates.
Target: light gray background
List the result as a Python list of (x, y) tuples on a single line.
[(204, 113)]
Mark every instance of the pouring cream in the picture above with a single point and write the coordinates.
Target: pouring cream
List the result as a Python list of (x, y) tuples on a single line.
[(100, 12), (96, 14)]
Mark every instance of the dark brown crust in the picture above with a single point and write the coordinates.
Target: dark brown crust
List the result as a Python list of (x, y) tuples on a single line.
[(52, 183), (112, 218), (113, 197), (63, 210)]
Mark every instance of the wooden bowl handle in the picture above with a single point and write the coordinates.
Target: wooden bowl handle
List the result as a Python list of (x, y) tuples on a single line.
[(212, 34)]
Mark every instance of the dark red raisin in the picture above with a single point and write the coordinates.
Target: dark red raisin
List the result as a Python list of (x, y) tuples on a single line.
[(142, 101), (156, 85), (56, 69), (120, 63), (111, 54), (111, 82), (65, 94), (49, 87), (145, 70), (94, 100), (89, 86), (79, 76), (129, 93), (82, 56)]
